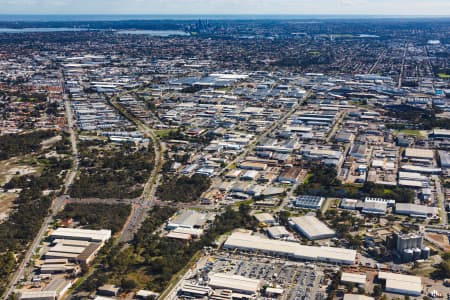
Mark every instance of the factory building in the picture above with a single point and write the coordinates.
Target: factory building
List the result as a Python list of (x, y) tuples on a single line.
[(310, 202), (415, 210), (407, 241), (235, 283), (312, 228), (357, 297), (81, 234), (37, 295), (401, 284), (295, 251), (418, 154), (278, 232), (374, 208), (354, 278), (409, 247), (265, 218), (187, 219)]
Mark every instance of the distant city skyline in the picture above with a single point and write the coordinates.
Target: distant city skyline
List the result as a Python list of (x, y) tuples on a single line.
[(227, 7)]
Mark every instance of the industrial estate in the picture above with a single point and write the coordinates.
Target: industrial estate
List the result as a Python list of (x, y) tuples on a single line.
[(225, 159)]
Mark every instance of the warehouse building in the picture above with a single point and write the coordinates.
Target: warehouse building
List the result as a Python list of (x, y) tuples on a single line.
[(81, 234), (312, 228), (401, 284), (235, 283), (416, 210), (290, 175), (278, 232), (444, 157), (265, 218), (354, 278), (187, 219), (414, 153), (247, 242), (37, 295), (357, 297), (350, 204), (311, 202), (374, 208)]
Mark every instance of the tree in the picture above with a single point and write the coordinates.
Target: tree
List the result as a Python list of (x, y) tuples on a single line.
[(128, 284), (377, 290)]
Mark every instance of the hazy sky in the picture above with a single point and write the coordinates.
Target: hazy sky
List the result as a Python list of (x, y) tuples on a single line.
[(367, 7)]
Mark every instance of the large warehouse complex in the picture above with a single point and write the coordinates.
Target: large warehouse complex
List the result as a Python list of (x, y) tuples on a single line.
[(312, 228), (81, 234), (247, 242)]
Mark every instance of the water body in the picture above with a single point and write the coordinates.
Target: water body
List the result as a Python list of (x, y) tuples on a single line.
[(96, 17), (37, 30), (160, 33)]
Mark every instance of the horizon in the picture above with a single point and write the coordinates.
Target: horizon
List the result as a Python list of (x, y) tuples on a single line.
[(227, 7)]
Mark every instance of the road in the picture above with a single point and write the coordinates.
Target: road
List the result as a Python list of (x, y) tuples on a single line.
[(380, 57), (73, 140), (402, 68), (141, 208), (440, 198), (270, 130), (56, 206)]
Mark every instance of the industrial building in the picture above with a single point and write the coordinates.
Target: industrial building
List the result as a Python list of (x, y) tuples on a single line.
[(407, 241), (354, 278), (278, 232), (374, 208), (444, 157), (290, 175), (295, 251), (312, 228), (401, 284), (410, 246), (350, 204), (266, 218), (235, 283), (37, 295), (81, 234), (416, 210), (311, 202), (357, 297), (187, 219), (414, 153)]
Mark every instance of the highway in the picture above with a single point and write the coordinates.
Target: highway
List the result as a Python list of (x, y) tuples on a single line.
[(140, 209), (56, 206), (440, 199), (73, 140)]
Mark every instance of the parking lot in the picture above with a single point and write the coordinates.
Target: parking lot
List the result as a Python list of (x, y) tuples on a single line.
[(299, 280)]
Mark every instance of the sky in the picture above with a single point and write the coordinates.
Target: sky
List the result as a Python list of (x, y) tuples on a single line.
[(225, 7)]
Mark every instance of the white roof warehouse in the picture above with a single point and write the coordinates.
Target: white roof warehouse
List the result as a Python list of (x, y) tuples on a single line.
[(312, 228), (295, 251)]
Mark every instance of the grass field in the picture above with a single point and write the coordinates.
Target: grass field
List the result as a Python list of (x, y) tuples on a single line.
[(163, 133), (411, 132), (444, 76)]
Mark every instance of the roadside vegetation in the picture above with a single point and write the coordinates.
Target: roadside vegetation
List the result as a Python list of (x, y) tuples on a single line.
[(20, 144), (32, 204), (152, 260), (97, 215), (183, 189), (112, 171), (322, 181)]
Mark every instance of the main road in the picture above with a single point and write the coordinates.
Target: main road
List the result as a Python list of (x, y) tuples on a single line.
[(440, 200), (56, 206), (140, 209)]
